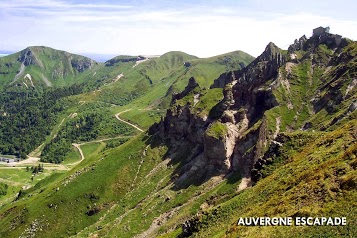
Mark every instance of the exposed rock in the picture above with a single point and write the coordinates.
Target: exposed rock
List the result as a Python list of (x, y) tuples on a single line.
[(223, 80), (268, 158), (27, 57), (192, 84), (307, 126), (229, 116), (232, 148), (298, 44), (189, 227), (218, 151), (82, 64), (228, 99), (332, 41), (352, 107), (180, 124), (242, 137), (93, 211), (187, 64)]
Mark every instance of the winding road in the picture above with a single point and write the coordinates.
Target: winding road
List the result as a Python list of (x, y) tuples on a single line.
[(33, 157), (126, 122), (80, 151)]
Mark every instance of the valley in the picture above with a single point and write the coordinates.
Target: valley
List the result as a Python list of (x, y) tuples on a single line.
[(179, 146)]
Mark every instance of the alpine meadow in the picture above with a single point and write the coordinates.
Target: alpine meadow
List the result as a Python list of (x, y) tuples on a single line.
[(175, 145)]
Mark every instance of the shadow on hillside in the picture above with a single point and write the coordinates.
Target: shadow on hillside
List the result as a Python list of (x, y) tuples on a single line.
[(181, 157)]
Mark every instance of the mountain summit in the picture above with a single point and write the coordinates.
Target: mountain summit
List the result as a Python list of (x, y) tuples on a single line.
[(44, 66)]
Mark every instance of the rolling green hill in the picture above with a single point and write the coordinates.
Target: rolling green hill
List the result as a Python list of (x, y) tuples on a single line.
[(276, 138), (39, 66), (124, 80), (117, 82)]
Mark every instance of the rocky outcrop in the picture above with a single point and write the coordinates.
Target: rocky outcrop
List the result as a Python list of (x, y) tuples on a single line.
[(268, 158), (218, 150), (236, 138), (27, 57), (332, 41), (227, 143), (331, 93), (192, 84), (228, 100), (180, 123), (298, 44), (249, 90), (223, 80), (82, 64)]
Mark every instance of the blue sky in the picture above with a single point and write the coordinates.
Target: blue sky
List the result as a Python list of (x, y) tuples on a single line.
[(201, 28)]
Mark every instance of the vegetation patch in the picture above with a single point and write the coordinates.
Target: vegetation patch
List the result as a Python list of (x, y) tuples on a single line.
[(3, 188), (217, 130)]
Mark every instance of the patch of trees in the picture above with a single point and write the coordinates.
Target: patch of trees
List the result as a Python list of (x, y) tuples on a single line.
[(35, 169), (81, 128), (93, 122), (26, 117)]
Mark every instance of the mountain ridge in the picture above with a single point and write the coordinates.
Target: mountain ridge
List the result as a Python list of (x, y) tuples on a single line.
[(275, 138)]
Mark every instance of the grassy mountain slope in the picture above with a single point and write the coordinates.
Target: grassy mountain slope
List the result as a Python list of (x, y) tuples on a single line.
[(45, 67), (117, 82), (170, 71), (167, 82), (276, 138), (314, 177), (83, 117), (313, 173)]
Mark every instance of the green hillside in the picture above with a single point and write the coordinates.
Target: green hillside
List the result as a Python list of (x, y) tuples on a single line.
[(140, 81), (39, 66), (177, 146), (161, 76)]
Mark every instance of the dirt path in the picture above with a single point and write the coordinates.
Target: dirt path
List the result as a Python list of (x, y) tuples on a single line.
[(33, 157), (34, 160), (48, 166), (78, 147), (102, 140), (139, 167), (126, 122), (37, 152), (80, 151), (22, 69)]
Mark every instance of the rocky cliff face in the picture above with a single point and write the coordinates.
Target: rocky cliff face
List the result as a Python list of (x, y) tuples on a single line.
[(27, 57), (228, 142), (235, 138), (82, 64)]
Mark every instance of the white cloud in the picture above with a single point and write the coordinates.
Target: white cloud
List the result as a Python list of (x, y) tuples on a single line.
[(124, 29), (55, 4)]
